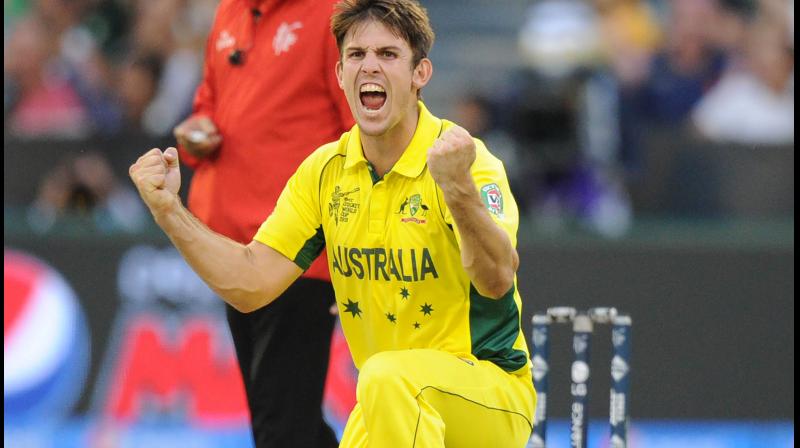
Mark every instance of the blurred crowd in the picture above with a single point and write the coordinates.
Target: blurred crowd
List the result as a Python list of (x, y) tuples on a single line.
[(601, 76), (598, 75), (79, 68)]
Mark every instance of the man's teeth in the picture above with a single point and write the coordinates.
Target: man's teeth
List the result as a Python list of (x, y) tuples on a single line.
[(372, 88)]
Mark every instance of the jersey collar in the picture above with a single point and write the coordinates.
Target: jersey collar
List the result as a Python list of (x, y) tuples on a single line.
[(415, 156)]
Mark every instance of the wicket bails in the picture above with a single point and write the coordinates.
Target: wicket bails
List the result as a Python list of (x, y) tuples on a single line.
[(580, 372)]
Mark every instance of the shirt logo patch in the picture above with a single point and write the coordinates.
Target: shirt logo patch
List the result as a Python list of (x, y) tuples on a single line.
[(285, 37), (225, 40), (413, 209), (342, 205), (493, 199)]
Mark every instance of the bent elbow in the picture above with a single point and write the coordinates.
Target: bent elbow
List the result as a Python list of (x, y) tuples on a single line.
[(247, 302), (501, 285), (244, 308), (502, 280), (514, 262), (500, 292)]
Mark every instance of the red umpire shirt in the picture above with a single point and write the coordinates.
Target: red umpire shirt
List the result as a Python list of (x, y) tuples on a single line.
[(270, 87)]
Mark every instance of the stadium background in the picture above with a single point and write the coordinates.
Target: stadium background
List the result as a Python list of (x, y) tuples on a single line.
[(110, 340)]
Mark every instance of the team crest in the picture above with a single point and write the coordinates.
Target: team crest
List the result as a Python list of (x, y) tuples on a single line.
[(411, 207), (414, 203), (493, 199)]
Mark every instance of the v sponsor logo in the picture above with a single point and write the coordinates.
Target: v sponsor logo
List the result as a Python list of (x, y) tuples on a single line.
[(493, 199)]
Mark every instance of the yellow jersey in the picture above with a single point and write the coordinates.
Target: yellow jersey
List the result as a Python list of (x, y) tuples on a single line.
[(393, 250)]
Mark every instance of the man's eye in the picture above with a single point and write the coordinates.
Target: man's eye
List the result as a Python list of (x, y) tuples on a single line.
[(356, 54), (389, 54)]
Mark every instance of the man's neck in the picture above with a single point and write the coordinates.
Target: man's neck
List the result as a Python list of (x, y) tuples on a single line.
[(383, 151)]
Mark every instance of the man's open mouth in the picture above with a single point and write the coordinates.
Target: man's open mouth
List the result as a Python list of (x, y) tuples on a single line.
[(373, 96)]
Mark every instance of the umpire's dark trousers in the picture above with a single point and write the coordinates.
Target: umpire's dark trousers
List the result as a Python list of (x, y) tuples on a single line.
[(283, 350)]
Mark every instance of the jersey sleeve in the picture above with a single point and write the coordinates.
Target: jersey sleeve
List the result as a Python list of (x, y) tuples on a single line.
[(295, 226), (492, 183)]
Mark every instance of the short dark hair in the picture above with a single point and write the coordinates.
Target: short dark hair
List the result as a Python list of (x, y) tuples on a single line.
[(406, 18)]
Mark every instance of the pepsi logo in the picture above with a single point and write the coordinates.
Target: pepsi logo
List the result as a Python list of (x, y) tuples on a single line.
[(46, 348)]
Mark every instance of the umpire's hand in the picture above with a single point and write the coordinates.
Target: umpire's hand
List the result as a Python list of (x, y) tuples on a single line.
[(198, 136)]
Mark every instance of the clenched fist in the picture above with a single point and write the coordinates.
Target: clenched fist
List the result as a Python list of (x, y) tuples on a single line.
[(451, 156), (158, 178)]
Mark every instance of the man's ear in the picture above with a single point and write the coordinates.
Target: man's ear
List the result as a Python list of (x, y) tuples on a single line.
[(339, 74), (422, 73)]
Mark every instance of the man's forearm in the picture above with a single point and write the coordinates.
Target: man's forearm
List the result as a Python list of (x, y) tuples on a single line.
[(486, 251), (227, 266)]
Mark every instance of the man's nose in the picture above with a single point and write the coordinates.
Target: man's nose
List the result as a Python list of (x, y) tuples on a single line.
[(371, 63)]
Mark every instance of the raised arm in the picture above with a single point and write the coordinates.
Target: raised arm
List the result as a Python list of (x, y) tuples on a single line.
[(486, 250), (245, 276)]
